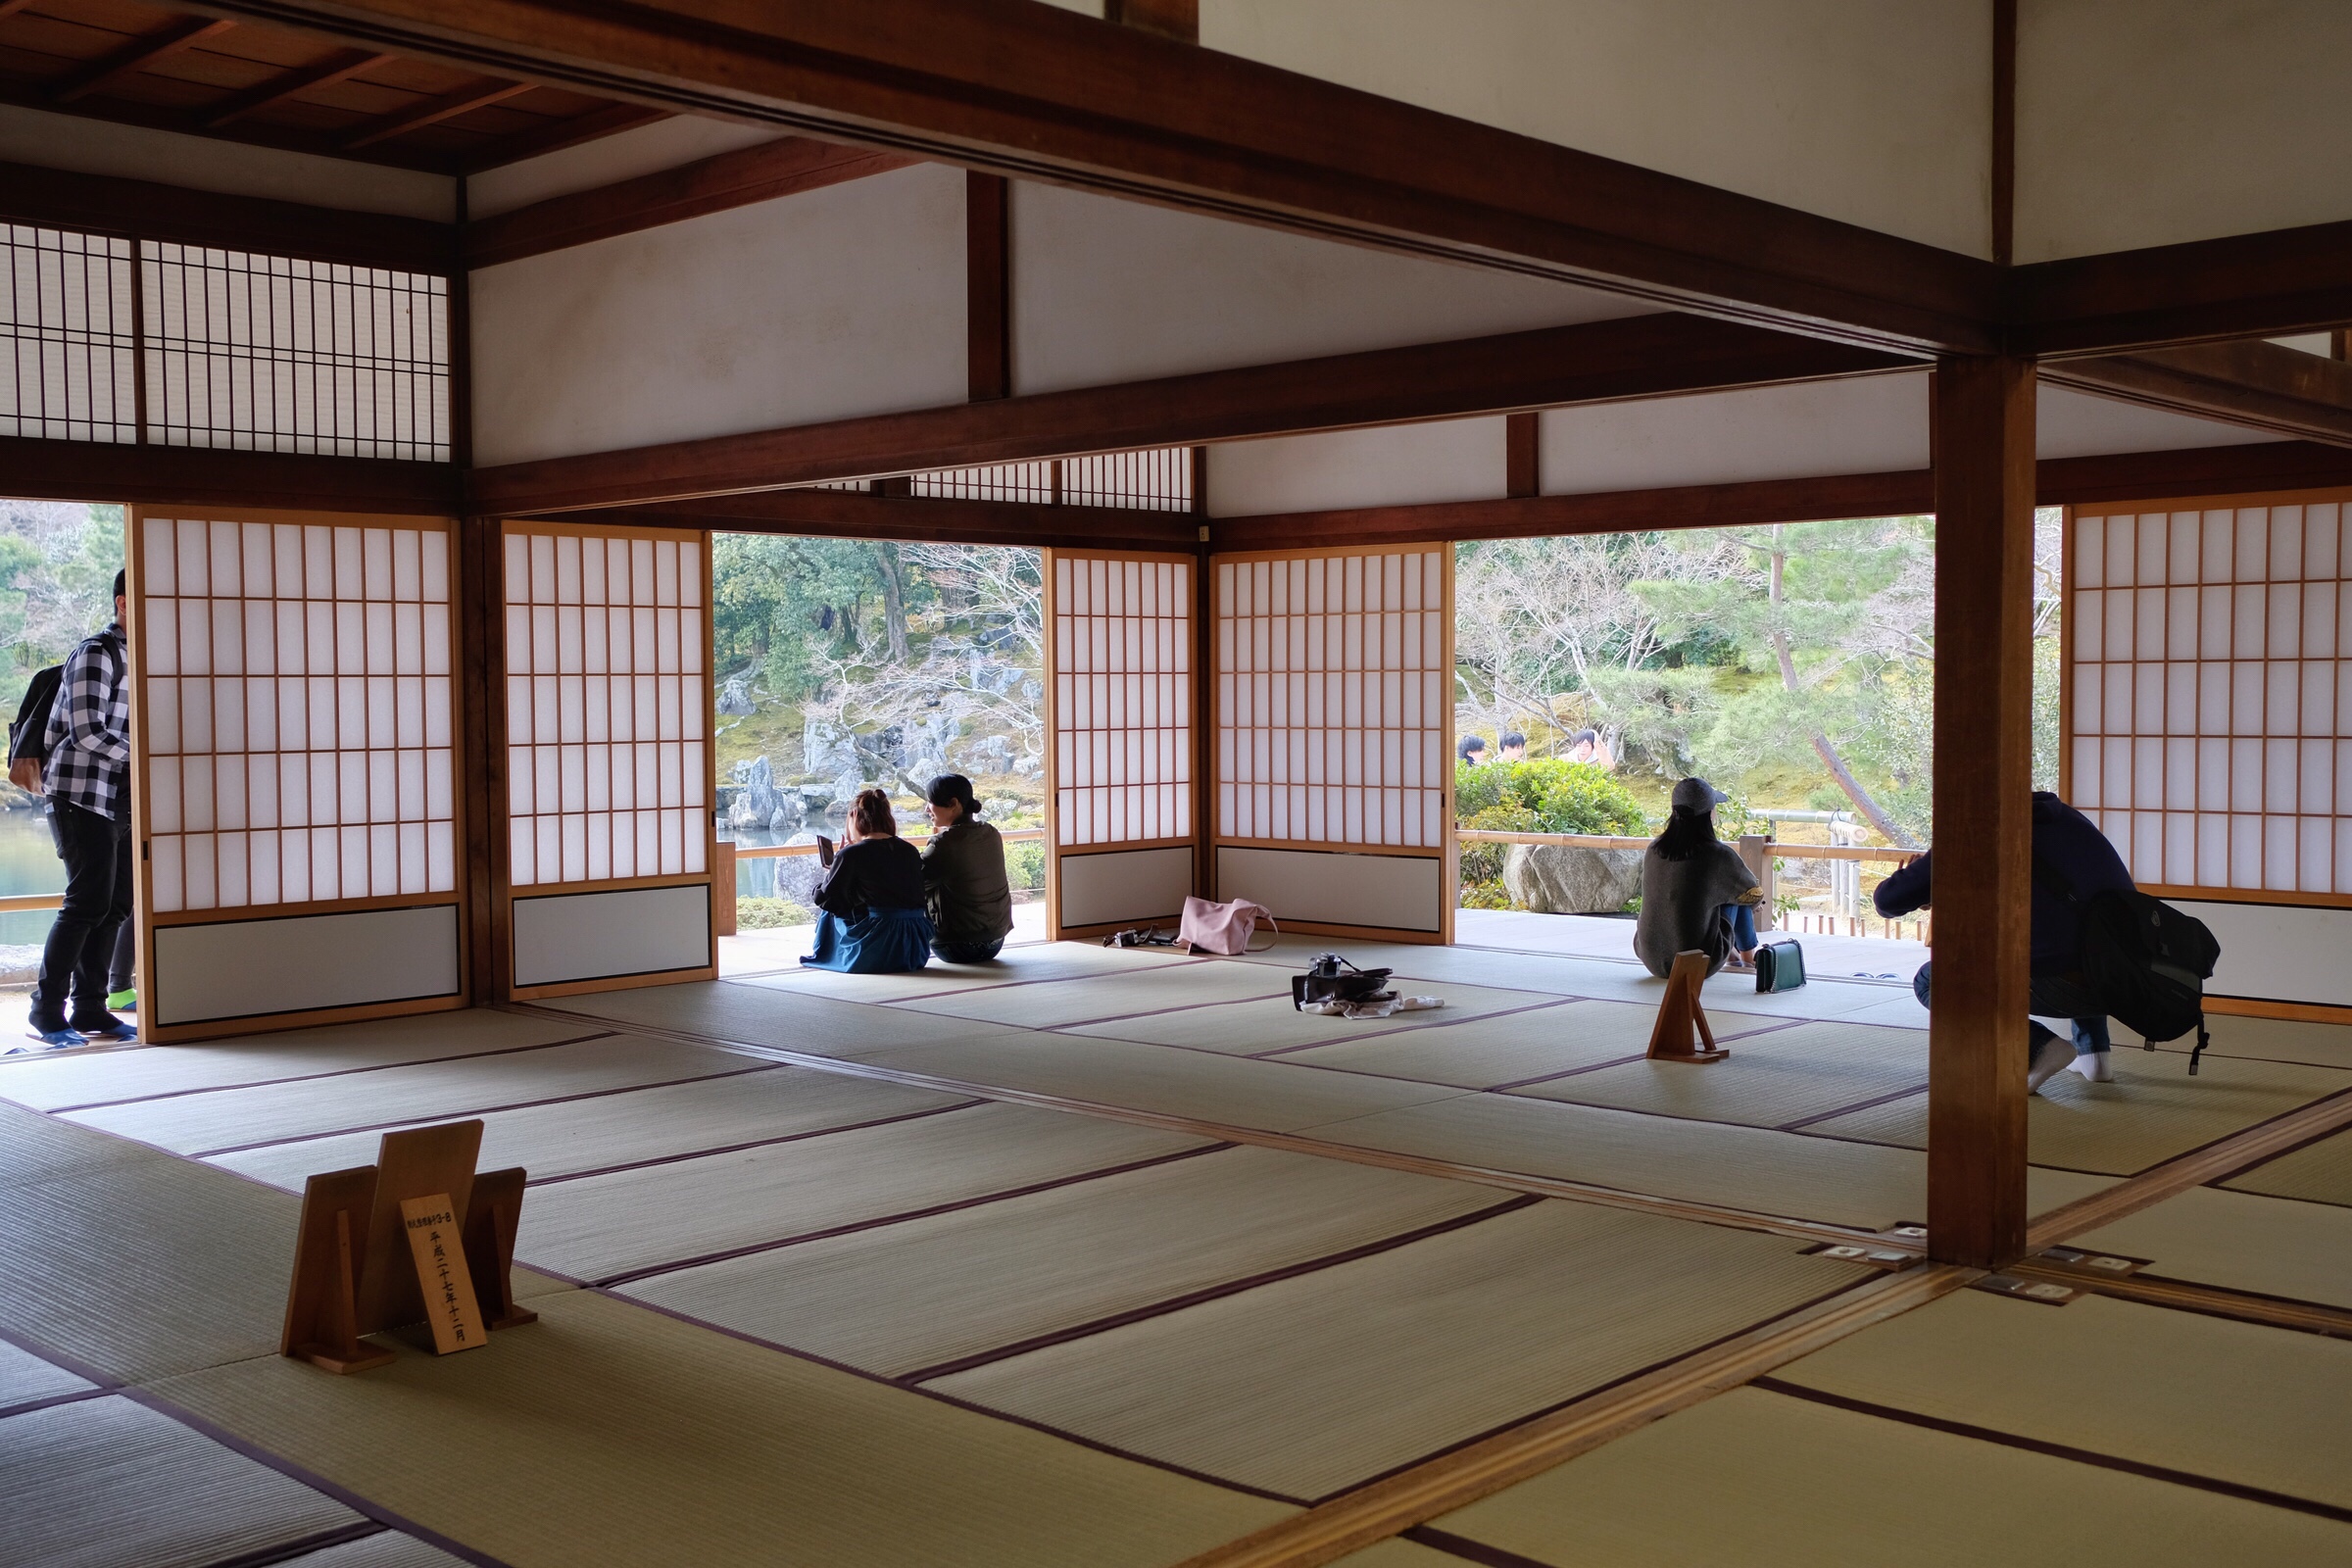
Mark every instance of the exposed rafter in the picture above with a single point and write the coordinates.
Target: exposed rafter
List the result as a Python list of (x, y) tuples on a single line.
[(277, 90), (863, 515), (461, 101), (138, 55), (2256, 384), (1640, 356)]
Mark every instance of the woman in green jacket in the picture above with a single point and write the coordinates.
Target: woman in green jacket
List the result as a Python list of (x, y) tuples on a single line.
[(963, 877)]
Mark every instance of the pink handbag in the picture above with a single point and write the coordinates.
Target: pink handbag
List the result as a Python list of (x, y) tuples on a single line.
[(1223, 928)]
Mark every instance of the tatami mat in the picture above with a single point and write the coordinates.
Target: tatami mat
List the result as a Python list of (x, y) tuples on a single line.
[(1054, 1002), (773, 1015), (1767, 1481), (929, 1292), (2316, 1045), (2234, 1401), (1248, 1028), (385, 1549), (2151, 1113), (233, 1118), (25, 1377), (1230, 1090), (2317, 1173), (1397, 1553), (607, 1434), (1055, 961), (646, 1124), (110, 1483), (2240, 1241), (1482, 1053), (1319, 1382), (602, 1226), (1709, 1162), (84, 1078), (1770, 1079), (36, 1148)]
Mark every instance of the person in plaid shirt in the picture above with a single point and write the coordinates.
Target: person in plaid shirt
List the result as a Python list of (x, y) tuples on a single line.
[(88, 780)]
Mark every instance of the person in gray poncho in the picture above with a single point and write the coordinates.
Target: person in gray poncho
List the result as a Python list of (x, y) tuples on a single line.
[(1690, 881)]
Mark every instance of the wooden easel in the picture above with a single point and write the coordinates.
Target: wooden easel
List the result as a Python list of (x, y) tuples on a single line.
[(353, 1274), (1681, 1017)]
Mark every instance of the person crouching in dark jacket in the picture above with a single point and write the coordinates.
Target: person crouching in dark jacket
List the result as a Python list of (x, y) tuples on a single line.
[(963, 877), (2078, 854)]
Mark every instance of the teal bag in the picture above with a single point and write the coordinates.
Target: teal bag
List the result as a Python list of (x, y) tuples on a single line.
[(1780, 966)]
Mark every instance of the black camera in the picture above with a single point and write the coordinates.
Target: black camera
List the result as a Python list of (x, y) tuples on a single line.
[(1332, 978)]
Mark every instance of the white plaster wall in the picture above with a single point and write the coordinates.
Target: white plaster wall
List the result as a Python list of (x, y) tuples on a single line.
[(844, 301), (1105, 290), (1125, 887), (1394, 466), (233, 168), (1399, 892), (2153, 122), (2079, 425), (590, 935), (625, 154), (2279, 952), (1877, 112), (1868, 424)]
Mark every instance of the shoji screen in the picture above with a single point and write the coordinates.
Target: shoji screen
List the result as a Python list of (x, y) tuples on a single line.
[(1334, 797), (609, 784), (1119, 712), (294, 768), (2209, 713)]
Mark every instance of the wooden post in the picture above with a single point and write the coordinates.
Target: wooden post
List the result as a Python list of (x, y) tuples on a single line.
[(1755, 852), (988, 285), (722, 890), (1682, 1027), (1983, 446)]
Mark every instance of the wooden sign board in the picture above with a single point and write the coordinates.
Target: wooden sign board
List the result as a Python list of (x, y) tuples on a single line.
[(436, 1241), (323, 1319), (413, 1162), (1681, 1017)]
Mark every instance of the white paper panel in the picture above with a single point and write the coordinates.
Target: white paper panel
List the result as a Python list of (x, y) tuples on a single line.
[(1122, 667), (246, 968), (592, 936)]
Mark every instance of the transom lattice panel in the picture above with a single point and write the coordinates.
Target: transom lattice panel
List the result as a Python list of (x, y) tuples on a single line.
[(608, 696), (1122, 721), (2210, 694), (295, 701), (1331, 698), (65, 317)]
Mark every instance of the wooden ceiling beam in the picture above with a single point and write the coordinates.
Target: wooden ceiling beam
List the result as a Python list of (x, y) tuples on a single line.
[(9, 8), (2259, 385), (2276, 284), (1032, 91), (339, 67), (737, 178), (1632, 357), (194, 476), (138, 55), (924, 519), (605, 119), (459, 101)]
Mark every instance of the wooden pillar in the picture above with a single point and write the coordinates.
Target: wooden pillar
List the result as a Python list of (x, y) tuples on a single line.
[(477, 640), (1983, 443), (1523, 455), (1204, 691), (988, 285)]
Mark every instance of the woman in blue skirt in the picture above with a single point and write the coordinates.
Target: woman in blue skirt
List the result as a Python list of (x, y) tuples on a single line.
[(870, 917)]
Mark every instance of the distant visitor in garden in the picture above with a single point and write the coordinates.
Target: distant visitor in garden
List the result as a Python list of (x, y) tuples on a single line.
[(1586, 746), (963, 877), (1513, 748), (870, 916), (1696, 893), (1472, 749)]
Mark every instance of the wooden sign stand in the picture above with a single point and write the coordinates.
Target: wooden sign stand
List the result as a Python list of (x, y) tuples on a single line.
[(355, 1273), (1681, 1017)]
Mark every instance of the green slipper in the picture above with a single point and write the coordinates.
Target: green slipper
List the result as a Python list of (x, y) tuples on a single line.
[(123, 1000)]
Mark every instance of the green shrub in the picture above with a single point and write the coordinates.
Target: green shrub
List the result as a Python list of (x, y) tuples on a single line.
[(1025, 865), (767, 914), (1560, 795)]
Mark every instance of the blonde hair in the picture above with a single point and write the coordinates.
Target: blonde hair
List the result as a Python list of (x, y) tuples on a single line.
[(870, 811)]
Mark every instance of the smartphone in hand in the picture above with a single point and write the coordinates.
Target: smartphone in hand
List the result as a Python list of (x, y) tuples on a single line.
[(824, 851)]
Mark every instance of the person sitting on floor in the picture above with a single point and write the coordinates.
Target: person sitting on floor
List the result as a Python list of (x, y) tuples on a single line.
[(1691, 883), (871, 917), (963, 877), (2078, 854)]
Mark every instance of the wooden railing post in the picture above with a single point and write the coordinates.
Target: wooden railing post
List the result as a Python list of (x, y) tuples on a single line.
[(1983, 446)]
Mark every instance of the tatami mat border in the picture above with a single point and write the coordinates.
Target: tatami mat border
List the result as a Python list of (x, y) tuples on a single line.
[(296, 1550), (1462, 1547), (75, 1397), (753, 1142), (331, 1072), (2055, 1450)]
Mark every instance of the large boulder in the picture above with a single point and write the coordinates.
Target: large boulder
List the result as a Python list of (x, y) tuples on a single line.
[(735, 698), (755, 794), (1567, 879), (827, 748)]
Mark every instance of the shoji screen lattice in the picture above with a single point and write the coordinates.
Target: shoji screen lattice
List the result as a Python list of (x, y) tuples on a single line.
[(2209, 695), (1333, 690), (1121, 735), (607, 707), (295, 762)]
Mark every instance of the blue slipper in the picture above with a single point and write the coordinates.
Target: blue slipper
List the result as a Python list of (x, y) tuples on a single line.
[(58, 1038), (112, 1029)]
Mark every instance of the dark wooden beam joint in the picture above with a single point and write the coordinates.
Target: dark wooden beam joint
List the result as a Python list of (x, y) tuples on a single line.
[(987, 285), (449, 106), (136, 56), (1523, 457), (2253, 383), (343, 65), (1983, 414)]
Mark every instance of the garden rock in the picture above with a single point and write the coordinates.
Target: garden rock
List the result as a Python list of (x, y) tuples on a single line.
[(755, 799), (827, 748), (735, 698), (990, 753), (1566, 880), (789, 817)]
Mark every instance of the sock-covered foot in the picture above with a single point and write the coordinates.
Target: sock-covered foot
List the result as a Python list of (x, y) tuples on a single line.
[(2093, 1064), (2049, 1058), (123, 1000)]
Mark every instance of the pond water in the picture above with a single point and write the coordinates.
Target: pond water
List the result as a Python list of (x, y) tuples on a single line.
[(29, 864)]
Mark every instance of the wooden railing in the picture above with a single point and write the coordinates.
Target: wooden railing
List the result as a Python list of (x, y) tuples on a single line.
[(1780, 851), (778, 851)]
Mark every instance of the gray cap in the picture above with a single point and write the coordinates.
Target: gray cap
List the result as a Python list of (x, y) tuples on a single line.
[(1696, 795)]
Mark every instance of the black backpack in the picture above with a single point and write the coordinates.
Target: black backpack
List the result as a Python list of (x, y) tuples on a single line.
[(28, 734), (2145, 960)]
